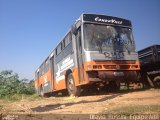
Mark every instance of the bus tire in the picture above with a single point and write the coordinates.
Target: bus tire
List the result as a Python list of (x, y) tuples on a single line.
[(150, 81), (157, 81), (72, 89)]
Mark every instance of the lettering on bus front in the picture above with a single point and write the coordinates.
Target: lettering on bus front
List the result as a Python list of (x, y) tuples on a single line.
[(106, 19), (114, 21)]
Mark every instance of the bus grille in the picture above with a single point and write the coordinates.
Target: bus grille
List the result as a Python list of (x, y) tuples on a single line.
[(116, 62), (116, 66)]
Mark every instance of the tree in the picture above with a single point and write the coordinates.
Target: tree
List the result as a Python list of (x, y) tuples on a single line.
[(10, 84)]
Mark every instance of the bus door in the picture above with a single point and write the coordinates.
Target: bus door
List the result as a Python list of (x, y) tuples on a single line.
[(52, 72), (79, 56)]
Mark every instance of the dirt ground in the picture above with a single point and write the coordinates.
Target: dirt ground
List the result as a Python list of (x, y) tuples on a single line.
[(91, 104)]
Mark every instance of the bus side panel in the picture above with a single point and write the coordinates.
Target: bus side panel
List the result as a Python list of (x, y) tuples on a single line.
[(59, 85), (60, 71), (36, 86), (64, 61), (76, 76), (45, 81)]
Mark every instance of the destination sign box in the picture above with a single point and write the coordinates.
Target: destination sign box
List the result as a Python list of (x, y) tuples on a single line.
[(106, 19)]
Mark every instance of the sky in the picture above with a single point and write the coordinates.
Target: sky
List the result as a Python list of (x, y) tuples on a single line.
[(30, 29)]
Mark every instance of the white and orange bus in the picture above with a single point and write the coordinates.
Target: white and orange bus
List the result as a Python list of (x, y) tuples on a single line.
[(97, 49)]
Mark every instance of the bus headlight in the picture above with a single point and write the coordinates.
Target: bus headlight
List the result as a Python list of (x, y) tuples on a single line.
[(134, 66), (97, 66)]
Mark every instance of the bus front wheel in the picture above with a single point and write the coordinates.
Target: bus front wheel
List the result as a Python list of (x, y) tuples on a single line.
[(72, 89)]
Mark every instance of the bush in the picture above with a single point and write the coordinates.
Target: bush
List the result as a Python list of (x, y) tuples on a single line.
[(10, 85)]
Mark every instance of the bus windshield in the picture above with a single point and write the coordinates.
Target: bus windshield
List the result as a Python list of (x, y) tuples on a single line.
[(108, 38)]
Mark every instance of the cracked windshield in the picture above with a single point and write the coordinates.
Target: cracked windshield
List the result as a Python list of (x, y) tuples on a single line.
[(108, 38)]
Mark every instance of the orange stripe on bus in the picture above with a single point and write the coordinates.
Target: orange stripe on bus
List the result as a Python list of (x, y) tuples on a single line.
[(88, 66), (44, 78), (108, 65)]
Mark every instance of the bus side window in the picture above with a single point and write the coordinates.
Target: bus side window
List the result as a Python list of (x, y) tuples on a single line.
[(46, 65), (59, 48), (67, 39), (63, 44), (56, 51)]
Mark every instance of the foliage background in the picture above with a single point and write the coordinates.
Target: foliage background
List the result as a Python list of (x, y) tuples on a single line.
[(11, 86)]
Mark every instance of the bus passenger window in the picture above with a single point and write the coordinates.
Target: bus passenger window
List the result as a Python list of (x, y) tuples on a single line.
[(67, 39), (56, 51), (63, 44), (59, 48)]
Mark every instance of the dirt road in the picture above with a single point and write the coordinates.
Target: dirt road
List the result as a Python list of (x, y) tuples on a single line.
[(123, 102)]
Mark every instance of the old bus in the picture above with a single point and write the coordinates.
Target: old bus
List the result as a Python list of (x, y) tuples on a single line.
[(97, 49)]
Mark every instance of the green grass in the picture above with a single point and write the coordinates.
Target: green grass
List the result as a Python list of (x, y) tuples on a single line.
[(33, 97), (18, 97), (123, 88), (132, 110)]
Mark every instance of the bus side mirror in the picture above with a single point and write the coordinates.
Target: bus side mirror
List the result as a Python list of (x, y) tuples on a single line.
[(74, 29)]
